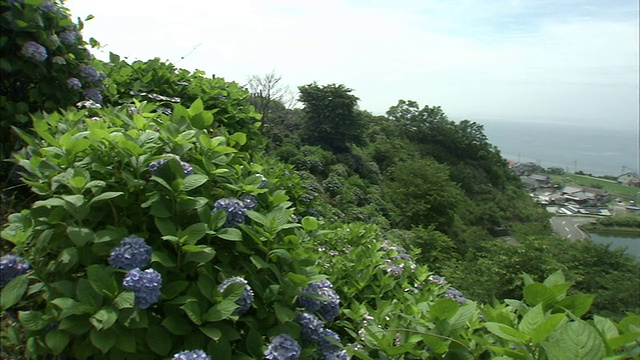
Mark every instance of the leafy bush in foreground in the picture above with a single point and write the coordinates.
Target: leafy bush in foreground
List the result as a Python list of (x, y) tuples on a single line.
[(131, 255)]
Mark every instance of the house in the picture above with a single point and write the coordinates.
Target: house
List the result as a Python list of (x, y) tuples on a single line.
[(630, 179)]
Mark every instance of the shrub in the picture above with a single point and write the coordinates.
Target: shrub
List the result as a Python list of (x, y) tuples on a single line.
[(128, 257), (45, 63)]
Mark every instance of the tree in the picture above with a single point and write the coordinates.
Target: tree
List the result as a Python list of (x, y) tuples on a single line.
[(268, 94), (331, 118)]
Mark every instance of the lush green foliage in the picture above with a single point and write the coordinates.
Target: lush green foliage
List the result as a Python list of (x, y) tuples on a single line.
[(173, 162), (42, 49)]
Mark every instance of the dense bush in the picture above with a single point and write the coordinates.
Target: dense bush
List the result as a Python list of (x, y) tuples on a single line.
[(45, 64)]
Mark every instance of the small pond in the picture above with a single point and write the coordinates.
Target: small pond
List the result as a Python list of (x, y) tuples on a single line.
[(631, 241)]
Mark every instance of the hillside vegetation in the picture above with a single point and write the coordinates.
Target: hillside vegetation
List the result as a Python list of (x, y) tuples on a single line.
[(160, 215)]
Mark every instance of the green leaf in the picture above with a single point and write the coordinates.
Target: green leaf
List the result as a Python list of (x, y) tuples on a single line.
[(159, 340), (606, 326), (238, 137), (162, 258), (202, 120), (231, 234), (443, 309), (462, 316), (531, 320), (578, 304), (106, 196), (75, 200), (71, 307), (13, 292), (80, 235), (192, 309), (575, 340), (193, 181), (506, 332), (32, 320), (104, 318), (309, 223), (103, 340), (537, 293), (283, 313), (166, 226), (193, 233), (548, 325), (196, 107), (125, 300), (556, 278), (220, 311), (102, 280), (176, 324), (57, 340), (212, 332)]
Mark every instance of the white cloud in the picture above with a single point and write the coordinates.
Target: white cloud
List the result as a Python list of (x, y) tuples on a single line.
[(510, 59)]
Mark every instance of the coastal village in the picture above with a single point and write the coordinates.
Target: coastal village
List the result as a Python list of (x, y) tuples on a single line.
[(573, 199)]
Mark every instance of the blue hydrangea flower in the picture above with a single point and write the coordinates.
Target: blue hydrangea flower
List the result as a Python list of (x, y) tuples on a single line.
[(328, 308), (245, 301), (249, 202), (93, 95), (48, 7), (191, 355), (283, 347), (326, 345), (455, 294), (68, 37), (234, 209), (132, 253), (34, 51), (74, 84), (338, 355), (438, 280), (311, 327), (10, 267), (156, 166), (145, 284), (89, 73)]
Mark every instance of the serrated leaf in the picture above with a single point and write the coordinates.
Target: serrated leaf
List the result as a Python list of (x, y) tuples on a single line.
[(537, 293), (444, 309), (531, 320), (309, 223), (192, 309), (193, 233), (506, 332), (575, 340), (220, 311), (548, 325), (104, 318)]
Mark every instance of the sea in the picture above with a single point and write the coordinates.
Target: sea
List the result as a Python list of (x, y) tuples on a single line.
[(596, 150)]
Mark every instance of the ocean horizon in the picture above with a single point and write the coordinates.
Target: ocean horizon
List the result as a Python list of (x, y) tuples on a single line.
[(596, 150)]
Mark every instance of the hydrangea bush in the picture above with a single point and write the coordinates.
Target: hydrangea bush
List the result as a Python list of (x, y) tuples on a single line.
[(45, 63), (130, 257)]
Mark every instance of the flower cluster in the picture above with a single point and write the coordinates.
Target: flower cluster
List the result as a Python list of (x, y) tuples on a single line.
[(48, 7), (68, 37), (191, 355), (73, 83), (89, 73), (156, 166), (235, 209), (145, 284), (328, 308), (132, 253), (245, 300), (283, 347), (455, 294), (10, 267), (313, 331), (34, 51), (438, 280), (93, 95)]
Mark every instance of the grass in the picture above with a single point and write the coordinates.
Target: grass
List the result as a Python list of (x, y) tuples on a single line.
[(608, 185)]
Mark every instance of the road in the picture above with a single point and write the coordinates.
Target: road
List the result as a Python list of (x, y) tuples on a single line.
[(567, 227)]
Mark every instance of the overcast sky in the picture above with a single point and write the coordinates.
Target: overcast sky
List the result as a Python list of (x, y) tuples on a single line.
[(519, 60)]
